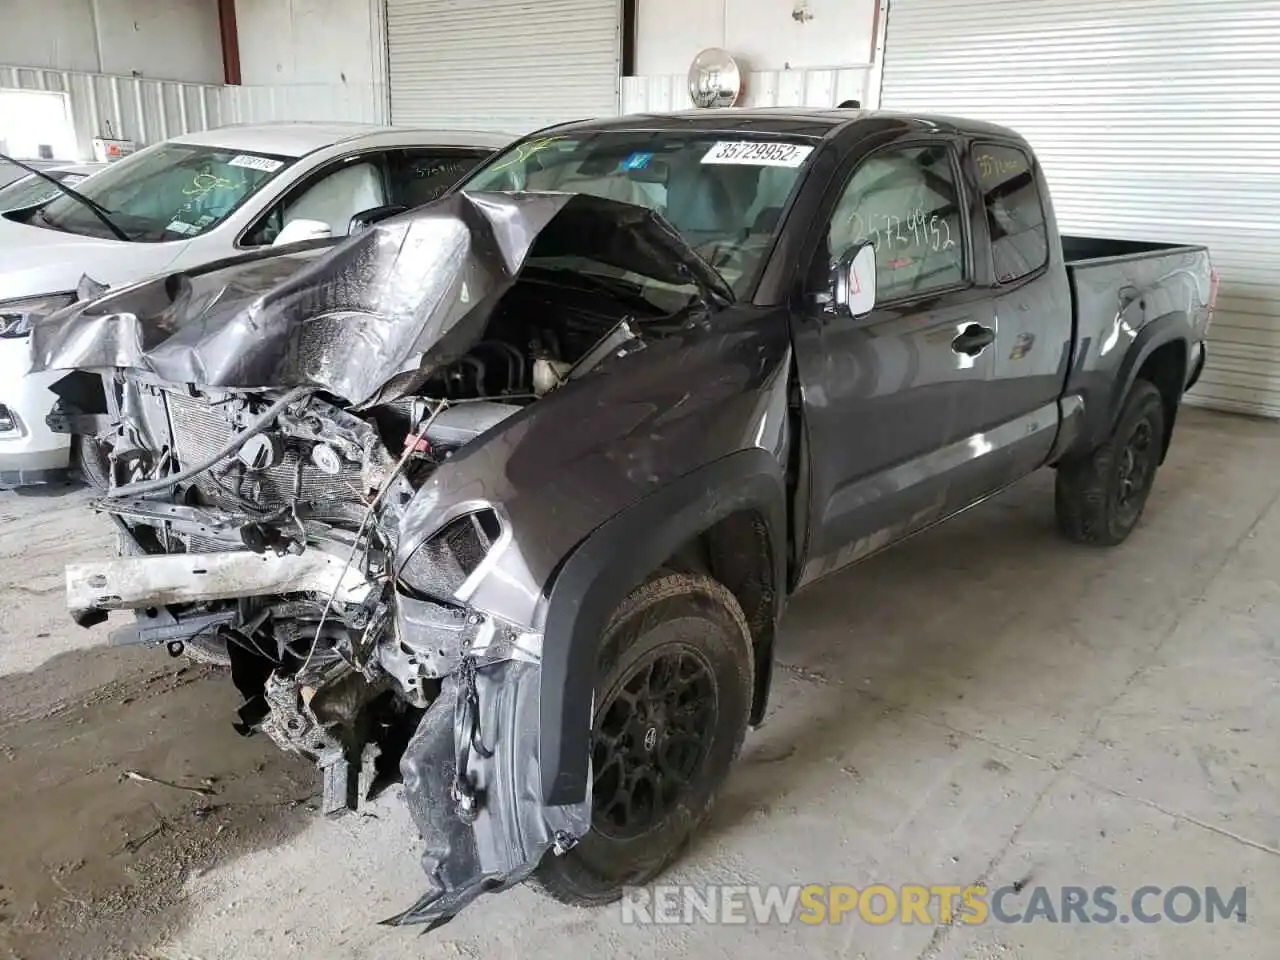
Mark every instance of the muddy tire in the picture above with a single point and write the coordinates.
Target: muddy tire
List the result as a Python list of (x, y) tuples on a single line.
[(1099, 498), (208, 650), (673, 698)]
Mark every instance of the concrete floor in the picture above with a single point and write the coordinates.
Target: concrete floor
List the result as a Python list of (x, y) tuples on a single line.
[(984, 704)]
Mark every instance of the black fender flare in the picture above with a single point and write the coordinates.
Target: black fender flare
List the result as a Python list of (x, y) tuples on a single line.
[(1153, 336), (1163, 330), (607, 565)]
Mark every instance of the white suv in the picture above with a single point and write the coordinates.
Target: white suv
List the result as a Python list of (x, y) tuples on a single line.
[(187, 202)]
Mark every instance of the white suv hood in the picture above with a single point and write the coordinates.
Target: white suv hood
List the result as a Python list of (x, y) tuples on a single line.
[(35, 261)]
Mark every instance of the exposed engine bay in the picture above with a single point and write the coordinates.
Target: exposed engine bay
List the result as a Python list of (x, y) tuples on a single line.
[(262, 526), (293, 478)]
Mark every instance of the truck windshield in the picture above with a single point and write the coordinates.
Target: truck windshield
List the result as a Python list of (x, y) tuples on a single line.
[(724, 193), (170, 192)]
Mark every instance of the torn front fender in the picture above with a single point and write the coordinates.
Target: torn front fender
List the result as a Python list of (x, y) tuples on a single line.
[(473, 787)]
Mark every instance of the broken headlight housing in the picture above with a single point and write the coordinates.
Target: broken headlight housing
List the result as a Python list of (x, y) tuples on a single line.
[(441, 567), (17, 316)]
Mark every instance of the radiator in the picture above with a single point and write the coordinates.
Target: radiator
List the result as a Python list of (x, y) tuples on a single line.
[(199, 429)]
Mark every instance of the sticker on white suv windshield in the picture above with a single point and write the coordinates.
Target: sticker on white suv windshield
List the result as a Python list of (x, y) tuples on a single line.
[(757, 154), (256, 163)]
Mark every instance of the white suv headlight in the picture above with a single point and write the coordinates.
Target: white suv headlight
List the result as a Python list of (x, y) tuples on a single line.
[(17, 316)]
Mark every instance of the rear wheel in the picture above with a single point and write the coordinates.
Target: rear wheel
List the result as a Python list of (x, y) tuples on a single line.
[(1100, 497), (672, 703)]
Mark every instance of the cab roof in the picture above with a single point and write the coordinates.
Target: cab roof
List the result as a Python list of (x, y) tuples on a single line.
[(817, 123)]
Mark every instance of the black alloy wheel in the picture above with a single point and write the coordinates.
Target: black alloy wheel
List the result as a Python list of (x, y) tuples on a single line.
[(650, 738)]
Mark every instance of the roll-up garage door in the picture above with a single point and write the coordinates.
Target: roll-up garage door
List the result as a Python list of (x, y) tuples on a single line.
[(1154, 120), (504, 65)]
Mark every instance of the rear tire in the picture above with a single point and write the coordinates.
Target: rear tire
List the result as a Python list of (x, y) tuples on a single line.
[(1100, 497), (673, 698)]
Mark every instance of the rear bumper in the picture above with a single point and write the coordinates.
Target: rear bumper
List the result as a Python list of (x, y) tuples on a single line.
[(29, 451)]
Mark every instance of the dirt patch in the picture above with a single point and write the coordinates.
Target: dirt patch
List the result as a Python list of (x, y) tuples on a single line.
[(92, 863)]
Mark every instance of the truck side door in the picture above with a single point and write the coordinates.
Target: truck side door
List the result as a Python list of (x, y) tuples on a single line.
[(1021, 261), (889, 396)]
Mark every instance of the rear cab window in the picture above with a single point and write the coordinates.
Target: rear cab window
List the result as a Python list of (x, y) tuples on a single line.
[(1014, 209)]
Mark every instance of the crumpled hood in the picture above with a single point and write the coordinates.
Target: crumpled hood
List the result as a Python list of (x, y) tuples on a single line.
[(35, 261), (369, 319)]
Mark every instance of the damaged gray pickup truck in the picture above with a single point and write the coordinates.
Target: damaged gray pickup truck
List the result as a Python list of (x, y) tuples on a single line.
[(504, 496)]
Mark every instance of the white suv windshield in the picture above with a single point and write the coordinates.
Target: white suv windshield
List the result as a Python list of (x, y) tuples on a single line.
[(724, 193), (171, 192), (31, 189)]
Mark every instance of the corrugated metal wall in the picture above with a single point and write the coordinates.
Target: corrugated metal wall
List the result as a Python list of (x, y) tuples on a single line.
[(147, 111), (129, 108), (362, 103), (769, 88), (504, 65), (1154, 119)]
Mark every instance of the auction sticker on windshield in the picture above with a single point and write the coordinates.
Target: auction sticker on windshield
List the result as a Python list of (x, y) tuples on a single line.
[(256, 163), (757, 154)]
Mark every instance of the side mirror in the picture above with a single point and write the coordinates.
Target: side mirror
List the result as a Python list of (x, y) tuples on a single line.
[(367, 218), (855, 281), (298, 230)]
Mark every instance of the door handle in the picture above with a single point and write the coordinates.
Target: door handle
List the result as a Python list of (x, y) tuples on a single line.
[(973, 339)]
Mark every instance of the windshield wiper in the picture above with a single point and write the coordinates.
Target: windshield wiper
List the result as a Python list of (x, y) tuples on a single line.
[(94, 207)]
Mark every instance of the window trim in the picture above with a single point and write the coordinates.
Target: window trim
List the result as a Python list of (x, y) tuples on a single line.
[(308, 181), (383, 151), (968, 280), (1033, 166)]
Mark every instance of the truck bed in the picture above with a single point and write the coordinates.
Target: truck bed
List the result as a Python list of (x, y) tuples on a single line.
[(1077, 251), (1118, 287)]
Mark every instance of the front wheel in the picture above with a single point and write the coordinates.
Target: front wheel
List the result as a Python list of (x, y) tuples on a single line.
[(1100, 497), (673, 699)]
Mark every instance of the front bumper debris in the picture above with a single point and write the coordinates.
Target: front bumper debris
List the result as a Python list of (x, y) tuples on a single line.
[(132, 583), (473, 787), (471, 769)]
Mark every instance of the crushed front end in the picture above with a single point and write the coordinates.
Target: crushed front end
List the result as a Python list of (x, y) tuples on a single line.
[(309, 462), (269, 543)]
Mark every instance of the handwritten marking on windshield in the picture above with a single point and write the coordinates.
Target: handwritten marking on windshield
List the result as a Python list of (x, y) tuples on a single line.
[(525, 151), (203, 183)]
